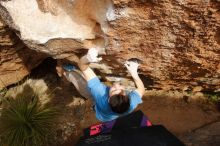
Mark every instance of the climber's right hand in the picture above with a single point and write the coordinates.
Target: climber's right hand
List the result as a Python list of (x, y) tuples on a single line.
[(92, 55), (132, 67)]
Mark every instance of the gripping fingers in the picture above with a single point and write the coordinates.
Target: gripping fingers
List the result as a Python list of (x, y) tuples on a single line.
[(99, 59), (126, 64), (93, 51), (131, 64), (92, 55), (134, 64)]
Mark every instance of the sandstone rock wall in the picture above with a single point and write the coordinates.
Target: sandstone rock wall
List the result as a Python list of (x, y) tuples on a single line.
[(16, 60), (177, 41)]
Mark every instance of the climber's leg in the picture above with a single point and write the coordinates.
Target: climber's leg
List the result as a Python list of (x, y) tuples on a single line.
[(74, 76)]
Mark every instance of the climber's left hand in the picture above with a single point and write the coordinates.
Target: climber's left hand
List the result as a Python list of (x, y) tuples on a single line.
[(92, 55)]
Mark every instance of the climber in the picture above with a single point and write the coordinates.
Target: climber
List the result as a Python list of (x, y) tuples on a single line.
[(110, 102)]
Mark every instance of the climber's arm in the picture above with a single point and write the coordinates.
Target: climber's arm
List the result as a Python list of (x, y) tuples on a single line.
[(140, 85), (84, 62), (85, 69), (132, 68)]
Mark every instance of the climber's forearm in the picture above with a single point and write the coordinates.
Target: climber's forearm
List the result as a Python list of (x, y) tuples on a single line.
[(85, 69), (139, 84), (83, 63)]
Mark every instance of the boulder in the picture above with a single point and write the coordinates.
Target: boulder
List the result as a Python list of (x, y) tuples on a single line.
[(206, 135), (16, 60), (177, 42)]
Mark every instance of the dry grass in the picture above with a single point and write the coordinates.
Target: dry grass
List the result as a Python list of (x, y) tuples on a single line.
[(27, 118)]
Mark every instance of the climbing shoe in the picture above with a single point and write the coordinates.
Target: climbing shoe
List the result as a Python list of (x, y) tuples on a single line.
[(69, 67)]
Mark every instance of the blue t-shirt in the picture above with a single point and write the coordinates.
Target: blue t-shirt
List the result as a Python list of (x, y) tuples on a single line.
[(100, 94)]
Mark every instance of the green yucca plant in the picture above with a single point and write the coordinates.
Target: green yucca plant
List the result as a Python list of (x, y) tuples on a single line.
[(26, 122)]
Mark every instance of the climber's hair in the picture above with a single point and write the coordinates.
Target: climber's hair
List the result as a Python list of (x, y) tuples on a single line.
[(119, 103)]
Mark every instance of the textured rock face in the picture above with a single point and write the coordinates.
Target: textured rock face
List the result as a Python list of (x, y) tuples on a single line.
[(177, 41), (204, 136), (16, 60), (60, 27)]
